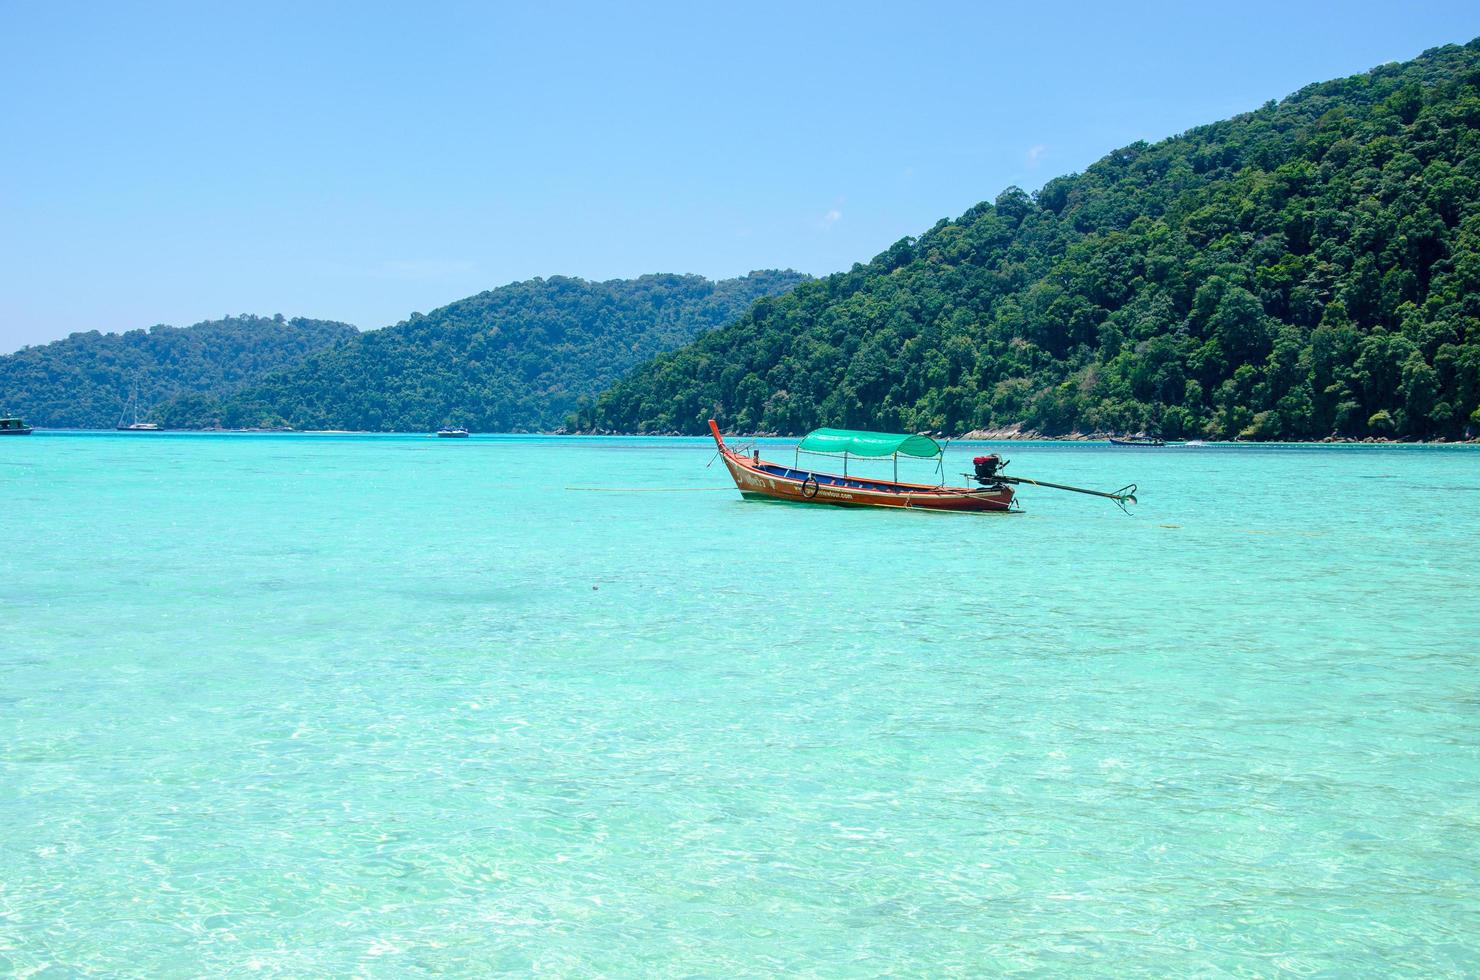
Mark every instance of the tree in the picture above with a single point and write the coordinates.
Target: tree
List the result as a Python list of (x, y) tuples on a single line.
[(1271, 276)]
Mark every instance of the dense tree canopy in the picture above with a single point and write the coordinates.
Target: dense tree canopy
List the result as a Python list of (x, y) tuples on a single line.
[(511, 359), (1308, 269), (86, 380)]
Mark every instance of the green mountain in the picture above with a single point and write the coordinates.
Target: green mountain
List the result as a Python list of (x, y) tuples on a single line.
[(86, 380), (1308, 269), (517, 358)]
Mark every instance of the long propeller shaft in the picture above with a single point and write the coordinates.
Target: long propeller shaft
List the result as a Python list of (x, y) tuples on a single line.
[(1125, 495)]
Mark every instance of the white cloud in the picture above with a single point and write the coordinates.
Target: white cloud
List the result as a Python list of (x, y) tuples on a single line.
[(1035, 153), (830, 217)]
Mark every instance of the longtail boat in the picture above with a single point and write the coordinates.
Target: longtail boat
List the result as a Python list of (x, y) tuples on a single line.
[(757, 478)]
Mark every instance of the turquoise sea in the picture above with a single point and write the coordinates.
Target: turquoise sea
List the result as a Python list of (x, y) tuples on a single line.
[(387, 705)]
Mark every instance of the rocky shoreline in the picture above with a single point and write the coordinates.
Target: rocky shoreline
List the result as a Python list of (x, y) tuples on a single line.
[(1016, 433), (1012, 433)]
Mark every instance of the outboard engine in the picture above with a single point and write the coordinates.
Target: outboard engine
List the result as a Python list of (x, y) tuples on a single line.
[(987, 467)]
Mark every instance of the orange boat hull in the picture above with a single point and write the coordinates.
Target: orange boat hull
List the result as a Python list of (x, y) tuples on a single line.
[(759, 479)]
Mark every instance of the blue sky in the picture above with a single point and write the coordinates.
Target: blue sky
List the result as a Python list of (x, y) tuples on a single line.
[(178, 162)]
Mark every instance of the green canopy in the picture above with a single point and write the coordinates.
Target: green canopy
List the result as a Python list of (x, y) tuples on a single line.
[(868, 443)]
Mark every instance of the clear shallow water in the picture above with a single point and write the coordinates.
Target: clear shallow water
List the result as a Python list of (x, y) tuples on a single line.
[(322, 704)]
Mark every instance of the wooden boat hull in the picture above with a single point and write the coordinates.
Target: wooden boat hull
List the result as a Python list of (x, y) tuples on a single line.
[(759, 479), (16, 432)]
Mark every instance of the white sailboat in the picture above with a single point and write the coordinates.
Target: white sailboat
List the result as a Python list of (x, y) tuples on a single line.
[(135, 425)]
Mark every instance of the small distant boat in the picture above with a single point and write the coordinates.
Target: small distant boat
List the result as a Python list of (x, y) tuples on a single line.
[(1142, 442), (12, 426), (135, 425), (447, 432)]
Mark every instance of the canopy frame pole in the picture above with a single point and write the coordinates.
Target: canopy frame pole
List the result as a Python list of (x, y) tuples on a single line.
[(845, 462), (896, 467)]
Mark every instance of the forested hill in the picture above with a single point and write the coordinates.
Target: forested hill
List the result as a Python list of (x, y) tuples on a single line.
[(1308, 269), (515, 358), (86, 380)]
